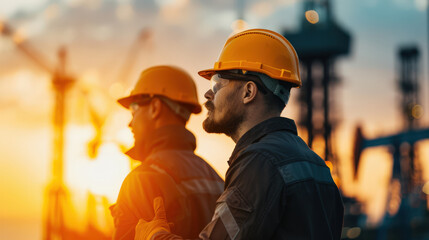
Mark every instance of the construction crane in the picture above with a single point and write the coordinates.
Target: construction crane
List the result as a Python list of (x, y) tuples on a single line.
[(62, 81), (144, 35)]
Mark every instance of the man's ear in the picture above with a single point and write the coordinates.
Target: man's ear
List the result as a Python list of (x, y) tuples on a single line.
[(155, 108), (250, 91)]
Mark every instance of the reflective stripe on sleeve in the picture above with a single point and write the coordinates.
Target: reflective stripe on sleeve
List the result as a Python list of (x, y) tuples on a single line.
[(158, 169), (195, 186), (222, 211), (202, 186), (299, 171)]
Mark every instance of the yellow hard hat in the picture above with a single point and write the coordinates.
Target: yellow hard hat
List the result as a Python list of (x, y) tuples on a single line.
[(167, 81), (259, 50)]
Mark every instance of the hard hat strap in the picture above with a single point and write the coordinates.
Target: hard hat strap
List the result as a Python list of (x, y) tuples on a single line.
[(177, 108)]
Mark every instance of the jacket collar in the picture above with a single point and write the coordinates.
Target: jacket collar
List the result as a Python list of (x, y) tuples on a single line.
[(165, 138), (260, 130)]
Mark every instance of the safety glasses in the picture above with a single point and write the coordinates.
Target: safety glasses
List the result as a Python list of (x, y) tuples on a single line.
[(134, 107), (217, 82), (220, 80)]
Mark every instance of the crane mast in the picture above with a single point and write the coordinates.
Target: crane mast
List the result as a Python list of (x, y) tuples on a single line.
[(54, 227)]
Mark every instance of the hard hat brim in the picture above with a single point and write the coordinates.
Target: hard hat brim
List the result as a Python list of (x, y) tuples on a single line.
[(126, 101), (208, 73)]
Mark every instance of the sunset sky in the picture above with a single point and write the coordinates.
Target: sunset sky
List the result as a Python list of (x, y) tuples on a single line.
[(100, 35)]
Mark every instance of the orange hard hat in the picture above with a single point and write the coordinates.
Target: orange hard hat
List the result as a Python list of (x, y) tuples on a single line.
[(259, 50), (167, 81)]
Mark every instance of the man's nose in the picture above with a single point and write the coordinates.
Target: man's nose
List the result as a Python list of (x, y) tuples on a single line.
[(130, 123), (209, 95)]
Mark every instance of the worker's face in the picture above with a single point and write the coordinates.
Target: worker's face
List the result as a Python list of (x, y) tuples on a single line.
[(141, 122), (225, 111)]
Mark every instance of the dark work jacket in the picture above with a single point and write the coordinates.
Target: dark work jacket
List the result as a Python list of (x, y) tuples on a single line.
[(188, 185), (275, 188)]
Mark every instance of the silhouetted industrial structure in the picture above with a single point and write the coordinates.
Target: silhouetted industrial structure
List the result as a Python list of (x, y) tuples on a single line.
[(57, 200), (408, 85), (319, 42), (409, 217), (318, 45), (54, 218), (55, 225)]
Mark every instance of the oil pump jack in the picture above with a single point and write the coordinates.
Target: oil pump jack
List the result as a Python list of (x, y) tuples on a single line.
[(413, 205)]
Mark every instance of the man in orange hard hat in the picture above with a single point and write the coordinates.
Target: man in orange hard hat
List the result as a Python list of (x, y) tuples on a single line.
[(276, 187), (161, 104)]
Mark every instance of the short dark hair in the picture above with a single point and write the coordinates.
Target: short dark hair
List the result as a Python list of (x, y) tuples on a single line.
[(273, 102)]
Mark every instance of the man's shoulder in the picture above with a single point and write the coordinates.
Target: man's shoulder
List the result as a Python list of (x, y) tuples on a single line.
[(283, 147), (142, 169), (182, 165), (172, 158), (145, 173)]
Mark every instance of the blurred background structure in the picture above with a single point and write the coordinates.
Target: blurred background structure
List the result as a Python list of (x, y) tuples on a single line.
[(63, 64)]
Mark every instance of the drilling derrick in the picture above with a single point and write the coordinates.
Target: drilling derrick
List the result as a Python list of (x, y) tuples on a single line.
[(411, 112), (318, 43), (408, 86), (406, 207)]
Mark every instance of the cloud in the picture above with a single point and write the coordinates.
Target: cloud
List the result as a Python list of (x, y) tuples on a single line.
[(421, 5)]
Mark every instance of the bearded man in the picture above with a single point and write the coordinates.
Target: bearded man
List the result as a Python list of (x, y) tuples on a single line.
[(276, 187)]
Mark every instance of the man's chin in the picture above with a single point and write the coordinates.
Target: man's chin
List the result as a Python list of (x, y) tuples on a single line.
[(210, 127)]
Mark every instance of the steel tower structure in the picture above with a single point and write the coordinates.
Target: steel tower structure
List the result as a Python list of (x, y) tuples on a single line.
[(318, 45), (54, 225)]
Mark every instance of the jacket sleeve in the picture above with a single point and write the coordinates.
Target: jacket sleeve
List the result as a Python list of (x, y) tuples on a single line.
[(135, 201), (251, 207)]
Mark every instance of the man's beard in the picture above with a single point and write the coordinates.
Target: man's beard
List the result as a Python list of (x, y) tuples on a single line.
[(228, 124)]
